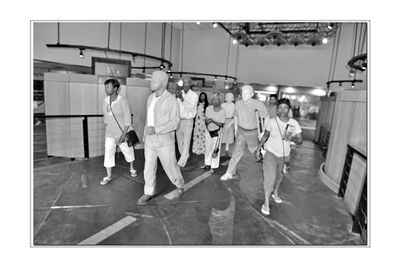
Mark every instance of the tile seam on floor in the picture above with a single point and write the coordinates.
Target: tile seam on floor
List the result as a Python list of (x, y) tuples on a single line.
[(54, 202), (163, 223)]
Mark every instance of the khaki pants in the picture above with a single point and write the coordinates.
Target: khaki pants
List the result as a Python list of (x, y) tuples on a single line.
[(183, 136), (244, 138), (272, 166), (167, 157)]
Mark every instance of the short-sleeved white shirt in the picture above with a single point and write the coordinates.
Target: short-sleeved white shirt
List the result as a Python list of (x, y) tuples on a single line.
[(274, 142)]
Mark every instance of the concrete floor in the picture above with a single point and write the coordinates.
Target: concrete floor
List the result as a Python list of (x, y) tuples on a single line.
[(70, 206)]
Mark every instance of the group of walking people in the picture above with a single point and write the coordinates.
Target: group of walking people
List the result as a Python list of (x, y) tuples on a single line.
[(189, 117)]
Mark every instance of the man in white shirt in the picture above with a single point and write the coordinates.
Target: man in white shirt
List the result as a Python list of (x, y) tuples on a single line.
[(159, 137), (187, 100)]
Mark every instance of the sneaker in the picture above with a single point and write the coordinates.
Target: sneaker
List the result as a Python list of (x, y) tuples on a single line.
[(276, 198), (179, 193), (105, 180), (205, 167), (143, 200), (227, 176), (264, 210), (133, 173)]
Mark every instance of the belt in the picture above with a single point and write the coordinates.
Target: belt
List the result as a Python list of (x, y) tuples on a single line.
[(247, 130)]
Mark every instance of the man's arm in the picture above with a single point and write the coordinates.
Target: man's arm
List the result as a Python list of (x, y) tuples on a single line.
[(189, 104)]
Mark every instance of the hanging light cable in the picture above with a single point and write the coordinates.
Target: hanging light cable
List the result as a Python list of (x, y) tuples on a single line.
[(182, 38), (337, 50), (237, 61), (170, 50), (145, 46), (331, 63), (227, 58), (163, 29), (108, 38), (58, 33), (120, 39)]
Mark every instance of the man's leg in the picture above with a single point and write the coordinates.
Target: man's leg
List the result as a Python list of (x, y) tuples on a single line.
[(168, 161), (187, 136), (236, 154), (279, 177), (150, 168), (179, 136), (269, 171)]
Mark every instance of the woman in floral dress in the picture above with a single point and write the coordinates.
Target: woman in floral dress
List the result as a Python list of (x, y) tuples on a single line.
[(199, 139)]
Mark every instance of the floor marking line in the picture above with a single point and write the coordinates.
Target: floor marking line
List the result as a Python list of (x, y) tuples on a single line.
[(54, 202), (109, 231), (288, 230), (139, 215), (76, 207), (190, 184)]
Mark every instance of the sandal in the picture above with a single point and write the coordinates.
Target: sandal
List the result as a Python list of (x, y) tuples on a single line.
[(133, 173), (276, 198), (105, 180)]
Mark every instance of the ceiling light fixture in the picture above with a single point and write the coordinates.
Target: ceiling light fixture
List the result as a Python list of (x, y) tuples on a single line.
[(81, 53), (215, 25), (234, 41), (330, 26), (325, 40), (215, 78), (352, 85), (198, 22)]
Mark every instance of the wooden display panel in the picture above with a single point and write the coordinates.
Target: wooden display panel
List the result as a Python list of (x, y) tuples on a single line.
[(355, 183)]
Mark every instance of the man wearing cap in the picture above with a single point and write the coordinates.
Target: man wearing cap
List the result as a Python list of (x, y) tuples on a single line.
[(187, 100), (245, 127), (159, 137), (280, 131)]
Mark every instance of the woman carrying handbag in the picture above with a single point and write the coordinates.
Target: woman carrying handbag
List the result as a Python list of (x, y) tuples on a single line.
[(215, 120), (117, 114)]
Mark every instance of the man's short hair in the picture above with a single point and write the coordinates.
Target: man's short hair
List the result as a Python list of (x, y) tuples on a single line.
[(247, 87), (284, 101), (114, 83)]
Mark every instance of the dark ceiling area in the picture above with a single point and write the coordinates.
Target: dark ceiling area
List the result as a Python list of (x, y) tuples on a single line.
[(280, 33)]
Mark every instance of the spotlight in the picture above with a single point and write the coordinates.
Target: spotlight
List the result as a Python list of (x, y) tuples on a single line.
[(180, 83), (215, 78), (226, 87), (352, 73), (198, 22), (169, 70), (313, 43), (234, 81), (144, 70), (278, 44), (81, 53), (170, 76), (246, 44), (325, 40), (330, 26), (215, 25), (234, 41), (262, 44), (352, 85), (161, 66), (340, 84), (226, 79), (296, 44)]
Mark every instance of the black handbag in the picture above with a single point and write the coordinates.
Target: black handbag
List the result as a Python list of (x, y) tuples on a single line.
[(131, 137), (214, 133)]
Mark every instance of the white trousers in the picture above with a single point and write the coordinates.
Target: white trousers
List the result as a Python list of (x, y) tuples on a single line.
[(210, 146), (110, 148), (168, 161), (183, 136)]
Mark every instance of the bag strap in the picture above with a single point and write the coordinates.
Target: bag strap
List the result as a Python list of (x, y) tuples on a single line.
[(283, 145), (115, 117)]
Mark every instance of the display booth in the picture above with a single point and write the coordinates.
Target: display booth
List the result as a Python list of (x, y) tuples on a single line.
[(74, 116)]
